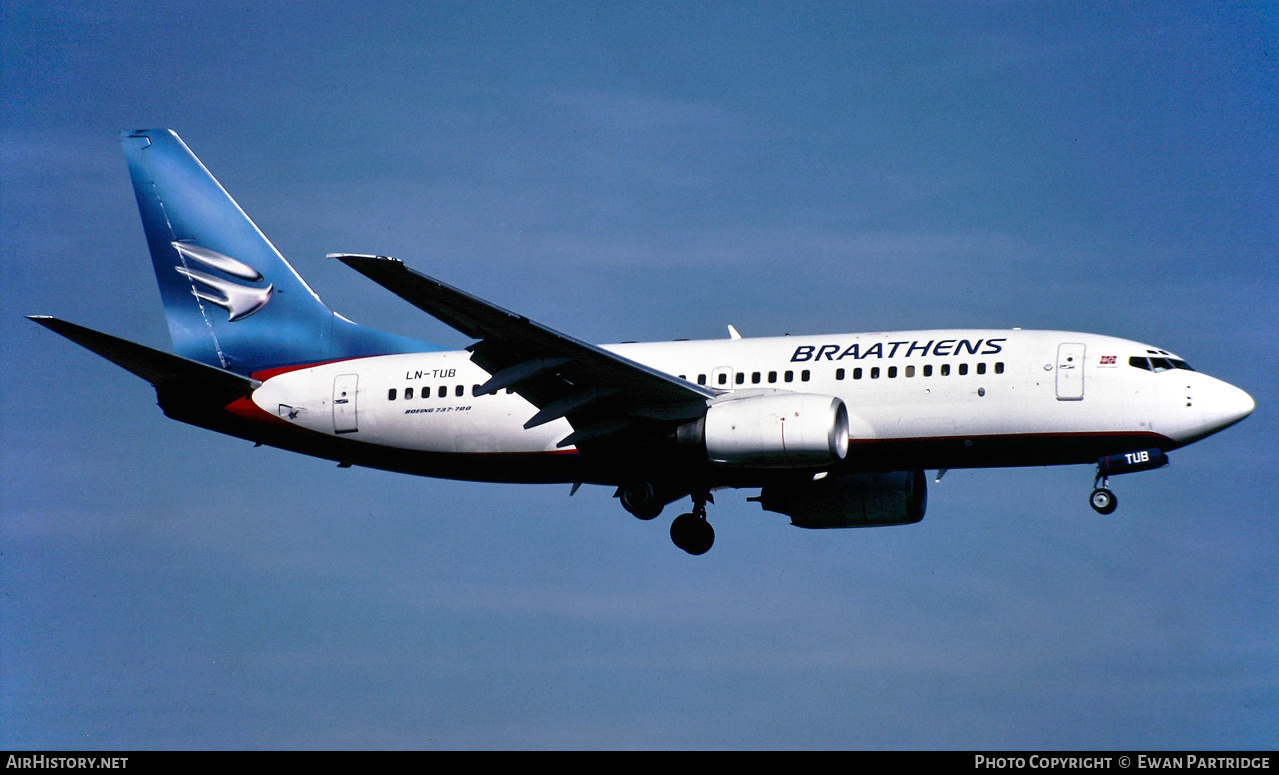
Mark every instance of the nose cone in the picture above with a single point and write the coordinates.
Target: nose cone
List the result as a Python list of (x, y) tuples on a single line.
[(1224, 405)]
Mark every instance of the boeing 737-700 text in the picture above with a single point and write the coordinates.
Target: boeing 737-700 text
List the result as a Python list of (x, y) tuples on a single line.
[(835, 431)]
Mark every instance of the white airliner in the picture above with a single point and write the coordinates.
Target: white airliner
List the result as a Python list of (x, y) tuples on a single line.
[(834, 431)]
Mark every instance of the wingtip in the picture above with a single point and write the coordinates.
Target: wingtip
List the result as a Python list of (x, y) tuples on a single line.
[(349, 257), (148, 133)]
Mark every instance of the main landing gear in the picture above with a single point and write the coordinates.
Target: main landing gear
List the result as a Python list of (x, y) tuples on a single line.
[(691, 532), (1102, 500)]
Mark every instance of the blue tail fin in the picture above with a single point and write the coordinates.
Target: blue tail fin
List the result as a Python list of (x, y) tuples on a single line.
[(231, 299)]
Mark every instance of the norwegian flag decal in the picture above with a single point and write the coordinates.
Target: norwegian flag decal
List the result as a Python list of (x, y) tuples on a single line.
[(1109, 360)]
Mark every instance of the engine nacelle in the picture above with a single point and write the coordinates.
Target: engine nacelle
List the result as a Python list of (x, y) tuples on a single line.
[(781, 430), (851, 500)]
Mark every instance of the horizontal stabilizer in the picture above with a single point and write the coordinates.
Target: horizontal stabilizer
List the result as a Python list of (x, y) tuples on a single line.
[(159, 368)]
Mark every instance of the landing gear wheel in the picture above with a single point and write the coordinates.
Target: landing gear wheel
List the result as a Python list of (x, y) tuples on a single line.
[(692, 533), (1103, 501)]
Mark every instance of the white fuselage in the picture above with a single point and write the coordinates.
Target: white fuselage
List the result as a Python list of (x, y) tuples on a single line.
[(954, 389)]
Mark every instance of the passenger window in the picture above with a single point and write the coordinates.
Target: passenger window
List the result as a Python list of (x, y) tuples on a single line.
[(701, 379), (874, 372), (740, 379), (945, 369), (963, 369), (772, 377), (892, 372), (981, 368), (857, 373), (928, 370), (910, 371), (459, 391), (755, 378), (803, 375), (390, 394), (788, 376), (443, 391), (999, 367), (723, 379), (839, 373), (408, 393)]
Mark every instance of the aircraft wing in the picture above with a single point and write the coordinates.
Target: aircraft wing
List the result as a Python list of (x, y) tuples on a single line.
[(603, 395)]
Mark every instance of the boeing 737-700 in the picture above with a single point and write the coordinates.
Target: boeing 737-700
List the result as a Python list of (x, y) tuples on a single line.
[(834, 431)]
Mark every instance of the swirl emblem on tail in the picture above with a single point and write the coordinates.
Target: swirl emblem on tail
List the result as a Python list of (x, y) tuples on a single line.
[(239, 301)]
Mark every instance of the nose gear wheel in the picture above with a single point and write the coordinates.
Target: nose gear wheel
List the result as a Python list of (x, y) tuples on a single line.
[(1102, 500)]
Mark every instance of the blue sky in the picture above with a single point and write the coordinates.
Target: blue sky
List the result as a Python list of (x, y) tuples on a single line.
[(643, 172)]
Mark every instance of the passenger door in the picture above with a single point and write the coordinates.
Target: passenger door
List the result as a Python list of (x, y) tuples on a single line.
[(344, 409), (1070, 372)]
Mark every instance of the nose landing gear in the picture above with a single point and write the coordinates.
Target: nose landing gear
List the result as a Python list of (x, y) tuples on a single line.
[(1102, 499), (691, 532)]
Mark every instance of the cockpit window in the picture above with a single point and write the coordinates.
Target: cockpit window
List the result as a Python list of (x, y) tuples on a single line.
[(1158, 364)]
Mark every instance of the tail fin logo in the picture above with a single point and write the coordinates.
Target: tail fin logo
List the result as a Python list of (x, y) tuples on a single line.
[(239, 301)]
